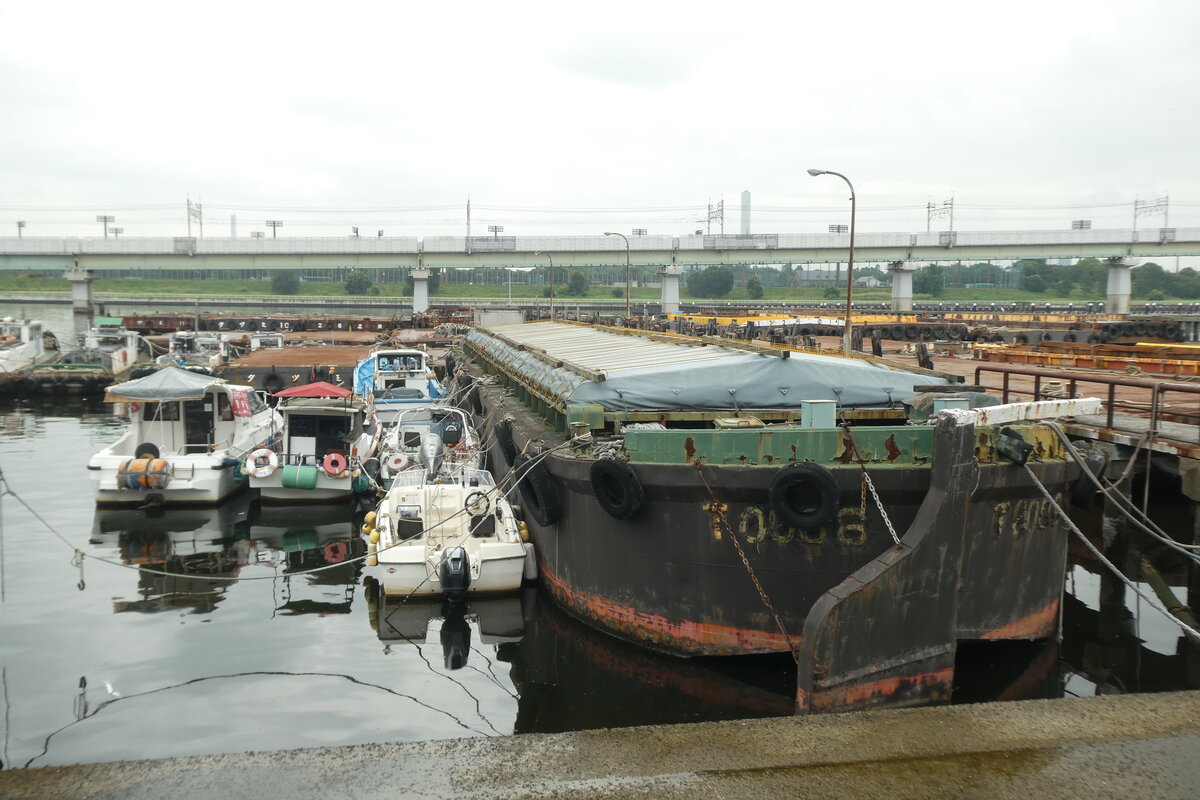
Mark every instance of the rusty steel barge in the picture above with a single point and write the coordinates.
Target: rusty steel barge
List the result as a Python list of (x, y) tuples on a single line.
[(714, 498)]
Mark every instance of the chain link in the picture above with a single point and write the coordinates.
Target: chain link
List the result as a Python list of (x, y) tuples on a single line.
[(869, 484)]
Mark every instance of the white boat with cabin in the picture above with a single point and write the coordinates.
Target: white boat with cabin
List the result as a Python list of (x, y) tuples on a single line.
[(325, 435), (187, 436), (21, 344), (398, 379)]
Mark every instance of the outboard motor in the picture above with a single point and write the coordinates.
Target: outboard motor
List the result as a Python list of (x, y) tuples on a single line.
[(456, 637), (455, 574), (431, 454)]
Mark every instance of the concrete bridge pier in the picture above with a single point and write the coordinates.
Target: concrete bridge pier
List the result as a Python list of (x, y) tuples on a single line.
[(1120, 285), (670, 288), (82, 298), (902, 292), (420, 278)]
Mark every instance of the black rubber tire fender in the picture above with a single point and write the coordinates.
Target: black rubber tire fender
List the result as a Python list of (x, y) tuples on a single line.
[(895, 332), (146, 450), (804, 495), (911, 332), (504, 440), (538, 494), (273, 382), (616, 487), (939, 331)]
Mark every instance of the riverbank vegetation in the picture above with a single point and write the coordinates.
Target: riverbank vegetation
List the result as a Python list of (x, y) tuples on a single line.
[(1030, 280)]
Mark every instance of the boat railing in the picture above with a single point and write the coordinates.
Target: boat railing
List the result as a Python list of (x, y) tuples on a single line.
[(1142, 398)]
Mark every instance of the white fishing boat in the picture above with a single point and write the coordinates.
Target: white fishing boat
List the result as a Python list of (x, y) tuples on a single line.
[(398, 379), (195, 350), (435, 439), (187, 435), (451, 540), (21, 344), (325, 436), (109, 346)]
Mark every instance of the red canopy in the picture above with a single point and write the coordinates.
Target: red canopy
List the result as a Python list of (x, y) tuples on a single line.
[(318, 389)]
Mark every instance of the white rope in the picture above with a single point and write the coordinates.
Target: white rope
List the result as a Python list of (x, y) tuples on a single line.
[(1153, 601), (1120, 501)]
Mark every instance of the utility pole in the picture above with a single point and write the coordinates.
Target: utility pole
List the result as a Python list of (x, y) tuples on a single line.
[(195, 212), (933, 210)]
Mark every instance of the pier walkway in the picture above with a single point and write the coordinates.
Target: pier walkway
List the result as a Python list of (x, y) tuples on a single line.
[(1117, 747)]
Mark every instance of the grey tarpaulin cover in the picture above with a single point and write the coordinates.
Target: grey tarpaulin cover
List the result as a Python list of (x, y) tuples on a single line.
[(168, 383), (644, 374)]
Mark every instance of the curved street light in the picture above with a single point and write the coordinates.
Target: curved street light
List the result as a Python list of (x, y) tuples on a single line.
[(547, 255), (628, 271), (850, 263)]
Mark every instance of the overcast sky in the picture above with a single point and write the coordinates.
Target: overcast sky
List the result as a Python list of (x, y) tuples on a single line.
[(575, 118)]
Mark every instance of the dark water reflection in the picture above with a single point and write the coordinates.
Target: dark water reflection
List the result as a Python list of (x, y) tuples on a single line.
[(251, 627)]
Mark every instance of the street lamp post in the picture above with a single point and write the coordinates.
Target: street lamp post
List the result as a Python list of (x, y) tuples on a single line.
[(547, 255), (274, 225), (105, 220), (628, 271), (850, 261), (20, 228)]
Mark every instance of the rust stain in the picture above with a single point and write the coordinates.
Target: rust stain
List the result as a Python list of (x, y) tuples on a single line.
[(935, 685), (794, 455), (890, 445), (689, 447), (770, 459), (693, 638), (847, 450), (1037, 625)]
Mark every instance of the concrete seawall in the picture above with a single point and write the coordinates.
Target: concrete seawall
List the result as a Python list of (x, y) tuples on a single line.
[(1143, 746)]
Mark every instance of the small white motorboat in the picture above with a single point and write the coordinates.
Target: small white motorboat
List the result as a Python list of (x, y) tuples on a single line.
[(435, 439), (398, 379), (325, 436), (187, 436), (451, 540)]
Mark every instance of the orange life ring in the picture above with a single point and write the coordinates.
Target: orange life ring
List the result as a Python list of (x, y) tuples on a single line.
[(262, 463), (397, 462), (334, 464)]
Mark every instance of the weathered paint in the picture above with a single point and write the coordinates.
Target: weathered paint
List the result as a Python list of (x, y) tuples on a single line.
[(885, 446), (1037, 625), (657, 631), (926, 687)]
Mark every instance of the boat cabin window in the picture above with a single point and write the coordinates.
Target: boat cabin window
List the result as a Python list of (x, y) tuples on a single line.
[(398, 393), (399, 363), (168, 412), (321, 434), (224, 408)]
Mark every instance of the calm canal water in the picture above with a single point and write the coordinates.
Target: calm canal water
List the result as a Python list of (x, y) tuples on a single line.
[(116, 661)]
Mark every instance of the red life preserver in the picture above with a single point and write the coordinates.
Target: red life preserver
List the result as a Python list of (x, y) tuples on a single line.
[(397, 462), (334, 464), (134, 408)]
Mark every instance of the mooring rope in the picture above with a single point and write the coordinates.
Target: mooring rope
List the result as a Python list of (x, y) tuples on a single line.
[(1123, 504), (79, 556), (1153, 601)]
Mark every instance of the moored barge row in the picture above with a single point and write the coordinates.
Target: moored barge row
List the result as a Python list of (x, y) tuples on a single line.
[(711, 497)]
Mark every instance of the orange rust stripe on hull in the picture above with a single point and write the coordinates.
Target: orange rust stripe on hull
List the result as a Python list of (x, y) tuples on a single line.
[(932, 685), (1037, 625), (692, 638)]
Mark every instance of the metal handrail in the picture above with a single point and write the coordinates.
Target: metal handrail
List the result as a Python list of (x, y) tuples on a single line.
[(1156, 388)]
